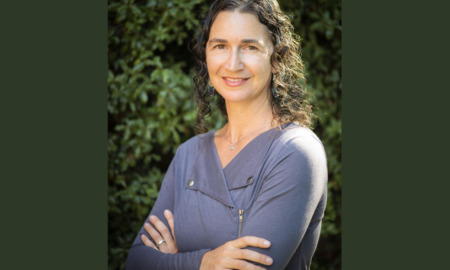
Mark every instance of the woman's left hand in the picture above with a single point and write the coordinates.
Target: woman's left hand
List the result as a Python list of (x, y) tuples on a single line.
[(161, 234)]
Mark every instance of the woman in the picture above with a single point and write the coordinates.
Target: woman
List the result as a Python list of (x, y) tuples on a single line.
[(252, 194)]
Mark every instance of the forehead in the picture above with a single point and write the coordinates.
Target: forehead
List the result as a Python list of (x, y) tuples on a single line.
[(235, 25)]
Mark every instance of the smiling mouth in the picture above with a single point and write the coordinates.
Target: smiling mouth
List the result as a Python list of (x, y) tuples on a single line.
[(235, 79), (234, 82)]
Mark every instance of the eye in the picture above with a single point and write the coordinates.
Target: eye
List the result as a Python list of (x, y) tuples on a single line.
[(252, 48), (219, 46)]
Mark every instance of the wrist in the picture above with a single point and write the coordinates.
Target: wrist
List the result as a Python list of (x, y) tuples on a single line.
[(204, 260)]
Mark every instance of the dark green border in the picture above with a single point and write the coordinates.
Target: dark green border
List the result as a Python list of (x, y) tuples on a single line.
[(54, 132), (394, 149), (53, 139)]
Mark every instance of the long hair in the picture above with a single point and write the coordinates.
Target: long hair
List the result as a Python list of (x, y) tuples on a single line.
[(289, 101)]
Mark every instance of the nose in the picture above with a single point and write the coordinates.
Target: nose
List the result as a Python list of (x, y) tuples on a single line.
[(234, 61)]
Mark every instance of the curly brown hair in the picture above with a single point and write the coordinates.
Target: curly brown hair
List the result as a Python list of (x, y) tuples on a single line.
[(290, 99)]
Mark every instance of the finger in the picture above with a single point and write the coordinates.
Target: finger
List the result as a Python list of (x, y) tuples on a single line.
[(163, 231), (253, 241), (169, 217), (147, 242), (253, 256), (154, 234)]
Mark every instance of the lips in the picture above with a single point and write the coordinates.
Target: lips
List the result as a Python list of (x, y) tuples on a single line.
[(233, 82)]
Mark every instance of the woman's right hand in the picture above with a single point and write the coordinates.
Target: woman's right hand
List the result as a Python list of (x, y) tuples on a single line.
[(232, 255)]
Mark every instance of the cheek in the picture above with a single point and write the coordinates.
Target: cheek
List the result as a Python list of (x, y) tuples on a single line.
[(259, 66), (210, 63), (210, 67), (214, 63)]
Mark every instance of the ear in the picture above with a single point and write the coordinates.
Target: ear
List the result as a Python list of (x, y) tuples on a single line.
[(274, 70)]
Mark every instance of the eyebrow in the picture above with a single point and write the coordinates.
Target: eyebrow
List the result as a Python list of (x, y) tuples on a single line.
[(251, 41), (244, 41), (217, 40)]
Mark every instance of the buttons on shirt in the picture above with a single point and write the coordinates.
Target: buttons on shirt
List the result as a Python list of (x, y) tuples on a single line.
[(249, 179), (190, 183)]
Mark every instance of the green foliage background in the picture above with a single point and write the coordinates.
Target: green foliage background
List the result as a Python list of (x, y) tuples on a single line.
[(151, 109)]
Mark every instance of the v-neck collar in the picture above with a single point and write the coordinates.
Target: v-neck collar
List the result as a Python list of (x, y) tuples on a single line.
[(249, 147), (211, 179)]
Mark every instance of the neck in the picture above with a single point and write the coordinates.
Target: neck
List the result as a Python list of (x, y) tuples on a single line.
[(244, 120)]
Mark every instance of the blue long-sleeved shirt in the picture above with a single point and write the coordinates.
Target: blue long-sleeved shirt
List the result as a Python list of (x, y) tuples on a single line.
[(277, 184)]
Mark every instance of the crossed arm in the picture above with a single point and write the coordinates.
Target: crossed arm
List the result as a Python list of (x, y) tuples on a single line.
[(159, 254), (231, 255), (287, 204)]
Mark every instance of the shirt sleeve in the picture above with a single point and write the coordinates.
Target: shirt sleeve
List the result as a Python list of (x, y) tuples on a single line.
[(290, 205), (142, 257)]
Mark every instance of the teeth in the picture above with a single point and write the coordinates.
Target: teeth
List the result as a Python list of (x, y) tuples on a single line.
[(234, 80)]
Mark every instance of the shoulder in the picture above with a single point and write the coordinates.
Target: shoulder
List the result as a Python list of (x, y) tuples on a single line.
[(188, 152), (193, 145), (297, 139), (297, 159), (297, 148)]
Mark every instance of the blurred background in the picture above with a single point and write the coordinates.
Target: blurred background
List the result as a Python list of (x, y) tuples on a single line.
[(151, 109)]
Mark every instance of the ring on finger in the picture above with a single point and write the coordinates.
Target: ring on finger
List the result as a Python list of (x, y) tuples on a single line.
[(160, 242)]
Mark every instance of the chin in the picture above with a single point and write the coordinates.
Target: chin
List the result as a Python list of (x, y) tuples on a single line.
[(234, 97)]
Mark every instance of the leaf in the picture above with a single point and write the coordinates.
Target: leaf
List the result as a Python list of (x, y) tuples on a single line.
[(144, 97)]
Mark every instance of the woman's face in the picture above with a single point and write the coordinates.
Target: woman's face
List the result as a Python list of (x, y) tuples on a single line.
[(238, 57)]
